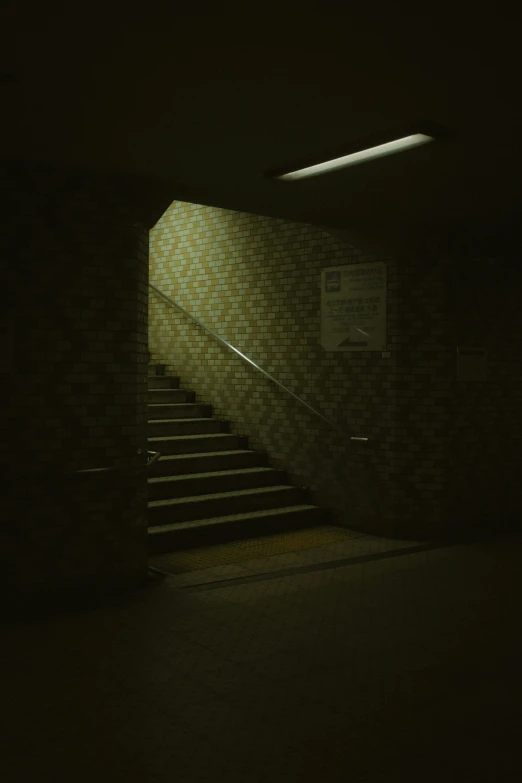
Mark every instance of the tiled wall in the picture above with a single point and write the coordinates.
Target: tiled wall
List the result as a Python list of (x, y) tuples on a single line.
[(256, 282), (76, 267), (486, 414), (443, 450)]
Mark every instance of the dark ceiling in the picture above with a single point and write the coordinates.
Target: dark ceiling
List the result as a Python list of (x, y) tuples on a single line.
[(202, 104)]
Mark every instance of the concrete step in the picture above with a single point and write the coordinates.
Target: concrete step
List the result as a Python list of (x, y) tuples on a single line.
[(173, 510), (163, 487), (232, 527), (179, 410), (156, 382), (191, 444), (183, 464), (156, 368), (164, 427), (170, 395)]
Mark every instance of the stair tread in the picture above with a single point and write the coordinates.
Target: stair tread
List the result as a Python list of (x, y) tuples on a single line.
[(177, 404), (185, 418), (211, 474), (196, 454), (231, 518), (219, 495), (216, 435)]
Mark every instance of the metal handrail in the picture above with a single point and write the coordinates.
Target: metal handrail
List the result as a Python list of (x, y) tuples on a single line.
[(153, 456), (92, 470), (247, 359)]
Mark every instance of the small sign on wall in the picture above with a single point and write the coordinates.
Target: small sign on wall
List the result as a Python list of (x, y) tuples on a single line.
[(472, 363), (353, 307)]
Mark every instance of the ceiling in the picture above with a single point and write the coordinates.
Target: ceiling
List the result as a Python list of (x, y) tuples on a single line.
[(201, 104)]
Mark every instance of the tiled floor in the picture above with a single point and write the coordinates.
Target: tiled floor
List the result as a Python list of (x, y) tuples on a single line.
[(349, 547), (403, 668), (254, 547)]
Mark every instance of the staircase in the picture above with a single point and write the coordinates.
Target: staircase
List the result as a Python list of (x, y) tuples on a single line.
[(208, 487)]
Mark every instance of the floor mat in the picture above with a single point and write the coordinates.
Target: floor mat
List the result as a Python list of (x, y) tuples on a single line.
[(237, 551)]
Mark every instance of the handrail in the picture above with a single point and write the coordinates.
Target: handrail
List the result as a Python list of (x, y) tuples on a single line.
[(93, 470), (152, 457), (247, 359)]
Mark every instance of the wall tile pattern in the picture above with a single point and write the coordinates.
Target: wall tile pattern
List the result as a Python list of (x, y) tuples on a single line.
[(486, 414), (256, 282), (76, 264)]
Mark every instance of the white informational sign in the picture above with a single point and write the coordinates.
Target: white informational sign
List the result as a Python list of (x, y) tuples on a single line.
[(353, 307)]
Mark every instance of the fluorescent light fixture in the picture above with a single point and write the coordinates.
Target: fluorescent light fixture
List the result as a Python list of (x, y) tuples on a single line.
[(406, 143)]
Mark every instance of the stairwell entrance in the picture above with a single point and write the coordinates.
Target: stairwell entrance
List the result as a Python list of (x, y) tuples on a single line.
[(208, 487)]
